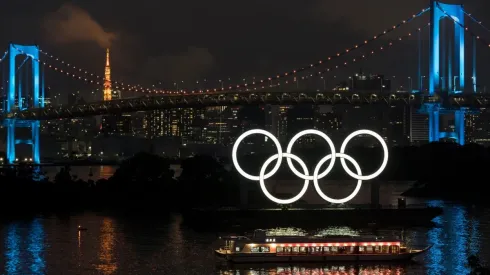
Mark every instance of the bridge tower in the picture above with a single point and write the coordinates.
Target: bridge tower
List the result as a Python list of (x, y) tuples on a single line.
[(453, 75), (21, 98)]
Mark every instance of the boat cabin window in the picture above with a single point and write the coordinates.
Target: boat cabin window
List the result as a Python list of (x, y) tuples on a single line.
[(265, 249), (314, 249), (237, 249), (334, 249), (255, 249)]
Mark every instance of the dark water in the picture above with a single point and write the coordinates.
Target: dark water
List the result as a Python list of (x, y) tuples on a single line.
[(164, 245)]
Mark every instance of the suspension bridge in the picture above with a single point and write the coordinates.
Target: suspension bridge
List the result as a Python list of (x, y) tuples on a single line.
[(447, 93)]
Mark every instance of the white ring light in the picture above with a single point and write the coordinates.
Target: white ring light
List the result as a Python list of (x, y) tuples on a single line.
[(269, 195), (385, 153), (316, 176), (310, 132), (235, 149)]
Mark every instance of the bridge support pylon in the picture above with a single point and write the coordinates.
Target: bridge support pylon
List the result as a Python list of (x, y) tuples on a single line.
[(18, 98), (434, 112), (454, 74)]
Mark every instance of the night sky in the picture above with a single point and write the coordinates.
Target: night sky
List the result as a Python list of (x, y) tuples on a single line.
[(155, 40)]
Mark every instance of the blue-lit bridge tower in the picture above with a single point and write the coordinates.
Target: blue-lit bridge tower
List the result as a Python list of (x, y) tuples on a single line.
[(449, 78), (22, 96)]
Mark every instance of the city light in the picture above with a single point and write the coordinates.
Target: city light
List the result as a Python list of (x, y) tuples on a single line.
[(316, 176)]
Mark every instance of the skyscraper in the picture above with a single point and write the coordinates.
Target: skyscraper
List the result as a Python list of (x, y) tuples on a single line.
[(107, 79)]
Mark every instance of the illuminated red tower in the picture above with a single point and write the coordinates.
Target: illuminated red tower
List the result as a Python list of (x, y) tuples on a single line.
[(107, 79)]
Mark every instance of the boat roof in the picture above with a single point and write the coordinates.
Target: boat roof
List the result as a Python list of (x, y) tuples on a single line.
[(307, 239)]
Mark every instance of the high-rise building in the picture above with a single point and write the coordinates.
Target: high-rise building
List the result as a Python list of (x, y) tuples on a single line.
[(369, 83), (165, 123), (477, 128), (419, 127), (124, 125), (301, 118), (327, 121), (107, 79), (398, 125)]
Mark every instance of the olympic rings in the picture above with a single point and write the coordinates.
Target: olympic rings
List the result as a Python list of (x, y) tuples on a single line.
[(317, 186), (235, 148), (316, 176), (262, 183), (311, 132)]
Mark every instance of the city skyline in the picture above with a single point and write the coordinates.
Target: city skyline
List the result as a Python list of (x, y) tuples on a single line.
[(445, 74)]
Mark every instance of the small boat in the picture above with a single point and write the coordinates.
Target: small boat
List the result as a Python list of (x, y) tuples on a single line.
[(261, 249)]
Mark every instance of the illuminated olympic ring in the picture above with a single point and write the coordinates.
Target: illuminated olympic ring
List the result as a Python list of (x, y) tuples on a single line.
[(316, 176)]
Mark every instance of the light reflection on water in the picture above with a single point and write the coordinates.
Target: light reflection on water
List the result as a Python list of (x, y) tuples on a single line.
[(12, 250), (36, 247), (159, 246), (95, 172), (455, 238), (108, 264), (322, 270), (24, 248)]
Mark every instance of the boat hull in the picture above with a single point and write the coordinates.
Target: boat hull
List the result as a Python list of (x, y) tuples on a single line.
[(273, 258)]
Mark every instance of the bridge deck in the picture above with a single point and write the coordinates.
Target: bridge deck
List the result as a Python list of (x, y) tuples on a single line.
[(455, 101)]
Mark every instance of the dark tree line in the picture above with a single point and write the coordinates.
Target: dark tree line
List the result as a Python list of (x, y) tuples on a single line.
[(146, 180), (443, 169)]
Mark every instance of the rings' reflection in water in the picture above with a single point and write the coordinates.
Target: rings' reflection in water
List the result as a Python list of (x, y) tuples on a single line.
[(334, 269)]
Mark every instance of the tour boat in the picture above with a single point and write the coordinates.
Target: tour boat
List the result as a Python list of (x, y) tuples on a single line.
[(240, 249)]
